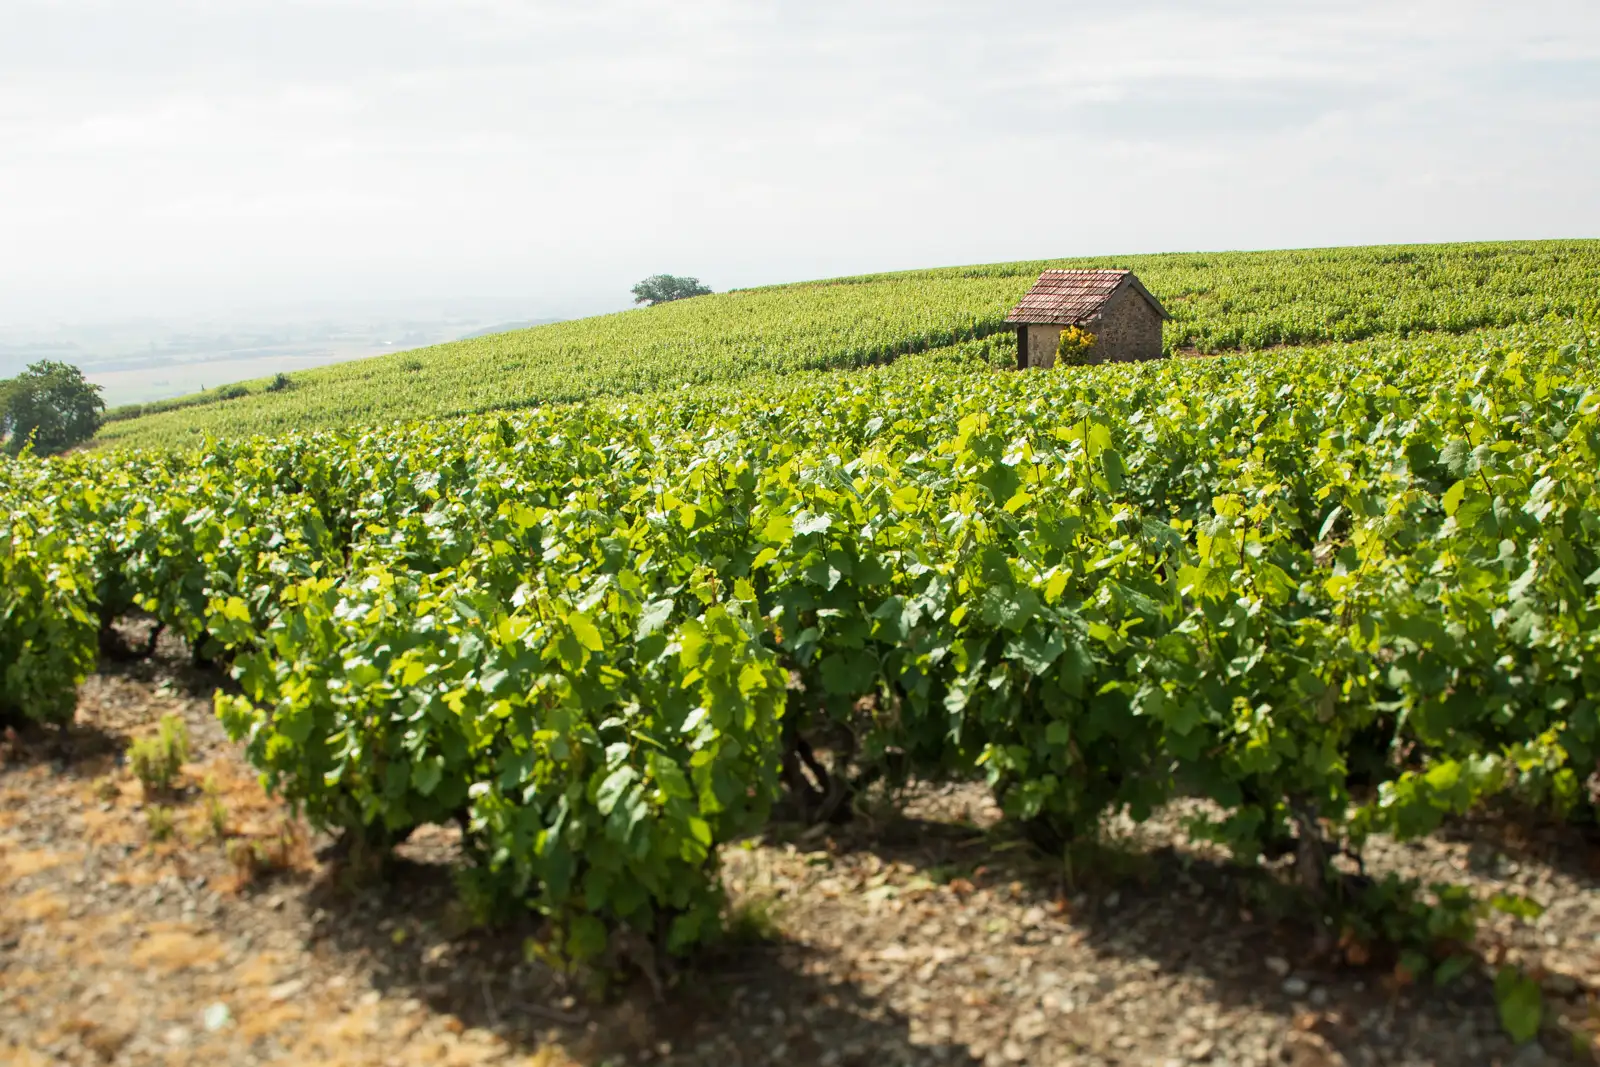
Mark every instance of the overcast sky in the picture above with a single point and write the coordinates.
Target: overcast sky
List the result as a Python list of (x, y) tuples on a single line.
[(204, 158)]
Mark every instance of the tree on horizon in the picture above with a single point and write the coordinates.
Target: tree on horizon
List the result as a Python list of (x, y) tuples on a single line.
[(663, 288)]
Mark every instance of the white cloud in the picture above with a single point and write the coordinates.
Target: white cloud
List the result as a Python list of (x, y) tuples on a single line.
[(178, 157)]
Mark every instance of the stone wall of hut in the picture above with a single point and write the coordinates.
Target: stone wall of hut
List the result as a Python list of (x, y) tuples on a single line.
[(1126, 330), (1042, 342)]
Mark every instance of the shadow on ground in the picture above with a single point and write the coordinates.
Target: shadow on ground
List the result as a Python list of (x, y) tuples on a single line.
[(756, 1004), (1239, 931), (80, 750), (1572, 848), (138, 652)]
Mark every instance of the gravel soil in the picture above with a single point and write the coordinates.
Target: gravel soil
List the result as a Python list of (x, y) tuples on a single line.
[(919, 933)]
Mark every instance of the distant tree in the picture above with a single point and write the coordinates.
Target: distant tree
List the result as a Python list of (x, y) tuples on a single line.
[(661, 288), (50, 404)]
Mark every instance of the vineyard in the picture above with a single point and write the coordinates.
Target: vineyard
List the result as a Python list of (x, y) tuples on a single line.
[(1331, 591), (1338, 591), (1219, 301)]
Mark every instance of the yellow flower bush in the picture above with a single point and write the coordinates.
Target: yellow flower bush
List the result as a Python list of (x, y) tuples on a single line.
[(1075, 348)]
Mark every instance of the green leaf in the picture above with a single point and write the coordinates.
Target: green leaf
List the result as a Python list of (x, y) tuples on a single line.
[(1111, 466), (905, 498), (614, 788), (584, 629), (807, 523), (653, 617), (1520, 906), (848, 672), (1037, 648), (670, 778), (1452, 497), (1009, 607), (1328, 523), (1520, 1003), (426, 775)]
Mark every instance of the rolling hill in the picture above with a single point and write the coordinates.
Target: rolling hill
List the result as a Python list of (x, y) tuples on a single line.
[(1219, 301)]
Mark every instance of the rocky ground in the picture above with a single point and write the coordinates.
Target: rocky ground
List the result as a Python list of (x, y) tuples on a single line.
[(920, 937)]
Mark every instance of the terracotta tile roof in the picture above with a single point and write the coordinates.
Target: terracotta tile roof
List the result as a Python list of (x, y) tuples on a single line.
[(1070, 297)]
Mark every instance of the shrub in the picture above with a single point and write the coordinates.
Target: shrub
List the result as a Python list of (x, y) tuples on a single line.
[(231, 392), (1075, 348), (49, 636), (597, 756), (279, 383), (157, 760)]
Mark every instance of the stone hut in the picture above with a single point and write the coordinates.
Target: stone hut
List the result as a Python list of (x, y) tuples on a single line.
[(1111, 304)]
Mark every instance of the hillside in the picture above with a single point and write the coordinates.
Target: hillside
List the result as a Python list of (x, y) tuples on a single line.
[(1219, 301)]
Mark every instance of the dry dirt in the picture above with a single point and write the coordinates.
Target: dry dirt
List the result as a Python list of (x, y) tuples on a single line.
[(924, 937)]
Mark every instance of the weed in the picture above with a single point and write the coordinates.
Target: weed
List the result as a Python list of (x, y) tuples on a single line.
[(243, 857), (216, 810), (157, 760), (754, 920), (160, 823), (251, 859)]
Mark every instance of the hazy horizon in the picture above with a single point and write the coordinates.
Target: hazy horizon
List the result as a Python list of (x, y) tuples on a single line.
[(175, 161)]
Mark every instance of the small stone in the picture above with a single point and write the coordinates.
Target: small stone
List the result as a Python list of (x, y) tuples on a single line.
[(1113, 898), (1319, 997), (1278, 966), (1295, 986), (1058, 1002), (1029, 1026), (216, 1017), (1014, 1052), (286, 990), (1201, 1050)]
